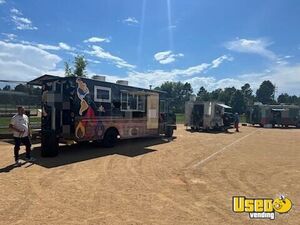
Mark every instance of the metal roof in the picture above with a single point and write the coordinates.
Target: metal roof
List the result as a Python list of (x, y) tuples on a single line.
[(280, 110), (224, 106), (38, 81)]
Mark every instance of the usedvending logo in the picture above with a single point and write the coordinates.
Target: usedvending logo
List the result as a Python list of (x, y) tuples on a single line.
[(261, 208)]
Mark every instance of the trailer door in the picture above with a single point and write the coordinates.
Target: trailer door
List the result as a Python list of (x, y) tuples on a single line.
[(152, 111)]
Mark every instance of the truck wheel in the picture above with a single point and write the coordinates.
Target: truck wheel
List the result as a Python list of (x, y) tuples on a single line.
[(49, 144), (169, 132), (110, 138), (298, 125)]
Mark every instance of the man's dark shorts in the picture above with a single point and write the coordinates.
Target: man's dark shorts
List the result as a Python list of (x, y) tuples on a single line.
[(24, 140)]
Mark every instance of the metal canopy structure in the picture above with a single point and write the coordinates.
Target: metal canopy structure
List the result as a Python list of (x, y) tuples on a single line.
[(279, 110), (38, 81), (224, 106)]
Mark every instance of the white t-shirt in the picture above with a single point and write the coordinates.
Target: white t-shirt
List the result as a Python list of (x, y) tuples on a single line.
[(21, 123)]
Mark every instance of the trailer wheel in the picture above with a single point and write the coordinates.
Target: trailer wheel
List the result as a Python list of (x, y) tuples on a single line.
[(110, 138), (298, 125), (169, 132), (49, 144)]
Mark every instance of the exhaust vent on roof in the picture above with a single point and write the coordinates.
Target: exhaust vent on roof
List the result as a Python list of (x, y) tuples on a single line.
[(122, 82), (98, 77)]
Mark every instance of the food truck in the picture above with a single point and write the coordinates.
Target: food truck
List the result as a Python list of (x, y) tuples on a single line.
[(283, 115), (207, 115), (76, 109)]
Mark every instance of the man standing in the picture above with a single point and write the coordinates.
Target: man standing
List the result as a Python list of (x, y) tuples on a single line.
[(236, 122), (21, 132)]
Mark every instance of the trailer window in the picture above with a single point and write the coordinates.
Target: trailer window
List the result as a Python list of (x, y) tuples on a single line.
[(102, 94), (141, 103), (162, 106), (132, 102)]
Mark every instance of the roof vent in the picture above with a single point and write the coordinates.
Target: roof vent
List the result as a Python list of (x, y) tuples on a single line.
[(99, 77), (122, 82)]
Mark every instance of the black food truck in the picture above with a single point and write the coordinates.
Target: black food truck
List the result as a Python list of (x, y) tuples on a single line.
[(76, 109)]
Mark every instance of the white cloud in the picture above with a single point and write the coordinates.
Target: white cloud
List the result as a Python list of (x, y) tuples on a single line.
[(102, 54), (16, 12), (256, 46), (131, 21), (60, 46), (218, 61), (283, 76), (166, 57), (22, 23), (191, 71), (48, 47), (9, 37), (64, 46), (96, 39), (93, 61), (24, 62), (2, 2)]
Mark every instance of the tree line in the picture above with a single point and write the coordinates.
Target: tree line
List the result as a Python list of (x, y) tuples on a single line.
[(21, 94), (239, 99)]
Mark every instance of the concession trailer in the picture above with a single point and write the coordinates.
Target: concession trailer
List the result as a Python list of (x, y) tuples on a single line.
[(80, 109), (207, 115), (283, 115)]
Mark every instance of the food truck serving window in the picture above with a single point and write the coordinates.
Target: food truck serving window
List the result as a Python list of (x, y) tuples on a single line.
[(132, 102), (102, 94)]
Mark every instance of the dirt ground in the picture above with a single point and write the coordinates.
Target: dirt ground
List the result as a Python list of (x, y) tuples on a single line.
[(188, 180)]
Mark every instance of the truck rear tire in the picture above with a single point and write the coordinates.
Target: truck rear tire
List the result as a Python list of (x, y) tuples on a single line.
[(49, 144), (110, 138), (169, 132)]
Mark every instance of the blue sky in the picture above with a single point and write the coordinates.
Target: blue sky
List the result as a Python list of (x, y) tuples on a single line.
[(214, 44)]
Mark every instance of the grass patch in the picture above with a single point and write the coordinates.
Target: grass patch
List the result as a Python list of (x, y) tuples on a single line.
[(4, 123), (179, 118), (243, 119)]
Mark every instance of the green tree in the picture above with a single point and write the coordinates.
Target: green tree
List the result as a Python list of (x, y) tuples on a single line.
[(237, 102), (203, 94), (248, 94), (79, 67), (22, 88), (178, 93), (265, 92), (283, 98), (68, 70), (225, 96), (215, 94), (6, 88)]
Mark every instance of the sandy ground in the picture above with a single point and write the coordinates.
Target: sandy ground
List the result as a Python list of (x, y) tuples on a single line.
[(189, 180)]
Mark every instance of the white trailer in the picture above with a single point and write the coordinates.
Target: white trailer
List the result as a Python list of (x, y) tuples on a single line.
[(207, 115)]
